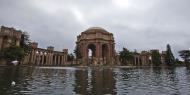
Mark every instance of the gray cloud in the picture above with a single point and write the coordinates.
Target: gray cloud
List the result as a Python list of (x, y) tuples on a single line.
[(136, 24)]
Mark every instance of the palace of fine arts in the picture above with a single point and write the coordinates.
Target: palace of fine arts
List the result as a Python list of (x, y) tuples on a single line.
[(94, 47)]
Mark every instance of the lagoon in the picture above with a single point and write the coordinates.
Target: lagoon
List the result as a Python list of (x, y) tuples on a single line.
[(94, 80)]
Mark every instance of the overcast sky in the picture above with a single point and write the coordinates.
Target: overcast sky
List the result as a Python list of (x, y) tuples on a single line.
[(136, 24)]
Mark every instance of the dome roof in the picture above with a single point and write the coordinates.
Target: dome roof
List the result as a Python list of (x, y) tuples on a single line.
[(96, 29), (92, 28)]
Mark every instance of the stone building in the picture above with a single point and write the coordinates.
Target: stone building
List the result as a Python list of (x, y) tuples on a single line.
[(96, 46), (144, 58), (45, 57), (37, 56), (9, 36)]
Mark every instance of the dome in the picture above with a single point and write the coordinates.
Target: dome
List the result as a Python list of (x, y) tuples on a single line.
[(95, 29)]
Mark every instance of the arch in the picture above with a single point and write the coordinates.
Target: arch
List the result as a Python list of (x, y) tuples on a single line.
[(91, 48), (96, 43)]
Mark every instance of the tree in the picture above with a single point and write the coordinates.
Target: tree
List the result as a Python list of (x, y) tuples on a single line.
[(156, 58), (125, 56), (185, 55), (170, 59), (17, 52), (13, 53), (25, 41), (178, 62), (77, 52), (70, 57)]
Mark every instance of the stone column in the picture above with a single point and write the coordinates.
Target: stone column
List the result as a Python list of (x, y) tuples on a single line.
[(42, 62), (55, 61), (32, 56), (85, 54), (47, 58), (97, 50), (34, 60), (85, 51), (58, 61), (50, 58), (17, 42), (62, 58), (1, 42), (39, 59), (65, 58), (135, 60), (27, 58), (100, 50), (110, 50), (139, 61)]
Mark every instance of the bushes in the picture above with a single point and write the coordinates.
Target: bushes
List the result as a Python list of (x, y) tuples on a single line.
[(12, 53)]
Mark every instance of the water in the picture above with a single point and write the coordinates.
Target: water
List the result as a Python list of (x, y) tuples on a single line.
[(94, 81)]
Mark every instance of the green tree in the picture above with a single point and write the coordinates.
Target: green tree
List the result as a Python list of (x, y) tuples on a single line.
[(77, 52), (25, 41), (185, 55), (125, 56), (13, 52), (70, 57), (170, 59), (156, 58)]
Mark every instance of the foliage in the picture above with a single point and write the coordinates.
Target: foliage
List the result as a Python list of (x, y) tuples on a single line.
[(70, 57), (170, 59), (13, 52), (25, 41), (125, 56), (156, 58), (77, 53), (185, 55), (178, 62)]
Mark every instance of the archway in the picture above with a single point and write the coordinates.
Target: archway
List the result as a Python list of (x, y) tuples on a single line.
[(91, 53), (96, 43)]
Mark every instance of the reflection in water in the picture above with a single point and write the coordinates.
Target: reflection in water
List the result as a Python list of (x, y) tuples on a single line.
[(97, 80), (81, 82), (103, 81)]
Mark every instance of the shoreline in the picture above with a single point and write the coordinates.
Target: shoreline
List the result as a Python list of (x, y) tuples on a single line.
[(93, 66)]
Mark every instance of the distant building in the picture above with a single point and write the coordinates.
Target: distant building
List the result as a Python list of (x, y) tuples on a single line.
[(37, 56), (45, 57), (96, 46), (145, 59), (9, 36)]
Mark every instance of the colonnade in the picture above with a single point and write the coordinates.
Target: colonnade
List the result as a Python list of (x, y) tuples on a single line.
[(43, 57), (146, 59), (142, 60)]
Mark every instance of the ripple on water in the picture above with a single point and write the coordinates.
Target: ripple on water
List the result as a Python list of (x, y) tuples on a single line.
[(87, 81)]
